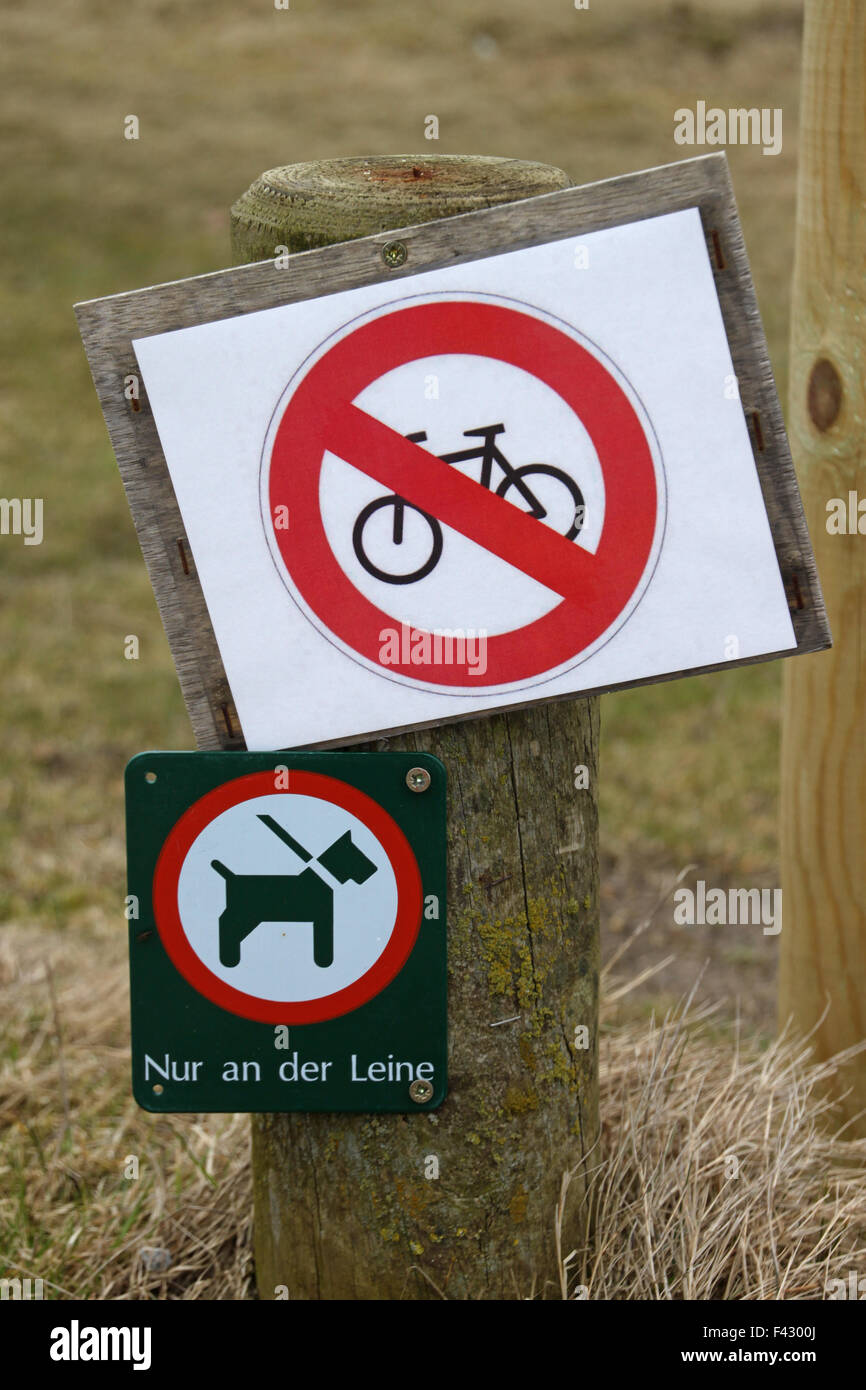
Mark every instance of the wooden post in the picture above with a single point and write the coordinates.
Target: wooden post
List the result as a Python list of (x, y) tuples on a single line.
[(823, 940), (458, 1203)]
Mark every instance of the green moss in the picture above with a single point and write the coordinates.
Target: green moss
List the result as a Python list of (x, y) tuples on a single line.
[(517, 1205), (518, 1102)]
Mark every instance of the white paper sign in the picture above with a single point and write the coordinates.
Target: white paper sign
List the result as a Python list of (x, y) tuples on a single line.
[(475, 487)]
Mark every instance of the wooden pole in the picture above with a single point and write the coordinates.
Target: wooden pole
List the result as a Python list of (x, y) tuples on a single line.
[(458, 1203), (823, 827)]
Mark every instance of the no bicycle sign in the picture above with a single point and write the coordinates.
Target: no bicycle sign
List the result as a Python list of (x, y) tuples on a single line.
[(543, 458), (398, 538)]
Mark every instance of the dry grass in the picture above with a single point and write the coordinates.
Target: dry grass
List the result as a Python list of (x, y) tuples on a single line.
[(719, 1174), (678, 1099), (68, 1213)]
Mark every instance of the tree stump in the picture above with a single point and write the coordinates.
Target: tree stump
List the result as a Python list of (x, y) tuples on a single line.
[(458, 1203)]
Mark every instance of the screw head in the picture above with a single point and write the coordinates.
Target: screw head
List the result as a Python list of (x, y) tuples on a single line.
[(394, 254), (421, 1090), (417, 779)]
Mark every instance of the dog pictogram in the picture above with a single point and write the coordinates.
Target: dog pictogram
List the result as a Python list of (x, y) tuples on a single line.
[(305, 897)]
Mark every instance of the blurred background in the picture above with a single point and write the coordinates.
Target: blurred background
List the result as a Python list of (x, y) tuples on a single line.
[(223, 91)]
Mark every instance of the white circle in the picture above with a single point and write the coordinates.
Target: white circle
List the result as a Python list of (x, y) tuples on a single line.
[(276, 957)]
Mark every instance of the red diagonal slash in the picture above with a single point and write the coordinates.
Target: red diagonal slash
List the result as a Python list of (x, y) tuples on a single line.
[(438, 488), (319, 418)]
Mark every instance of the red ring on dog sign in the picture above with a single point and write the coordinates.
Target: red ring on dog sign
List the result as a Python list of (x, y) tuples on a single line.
[(321, 417), (208, 937)]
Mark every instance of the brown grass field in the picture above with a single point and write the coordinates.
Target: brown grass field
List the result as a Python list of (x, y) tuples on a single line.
[(689, 769)]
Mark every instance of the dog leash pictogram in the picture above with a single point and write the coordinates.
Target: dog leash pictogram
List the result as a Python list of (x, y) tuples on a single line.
[(255, 898)]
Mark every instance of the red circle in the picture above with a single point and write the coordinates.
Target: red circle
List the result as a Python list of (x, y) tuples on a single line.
[(204, 981), (508, 335)]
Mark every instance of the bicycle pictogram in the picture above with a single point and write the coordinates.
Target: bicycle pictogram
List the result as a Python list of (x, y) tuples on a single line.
[(489, 454)]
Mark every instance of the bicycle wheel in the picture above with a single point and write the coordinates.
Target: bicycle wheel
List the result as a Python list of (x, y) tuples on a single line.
[(578, 509), (358, 541)]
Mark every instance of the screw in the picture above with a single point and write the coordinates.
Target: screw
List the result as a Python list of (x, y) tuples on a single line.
[(417, 779), (421, 1090), (394, 254)]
